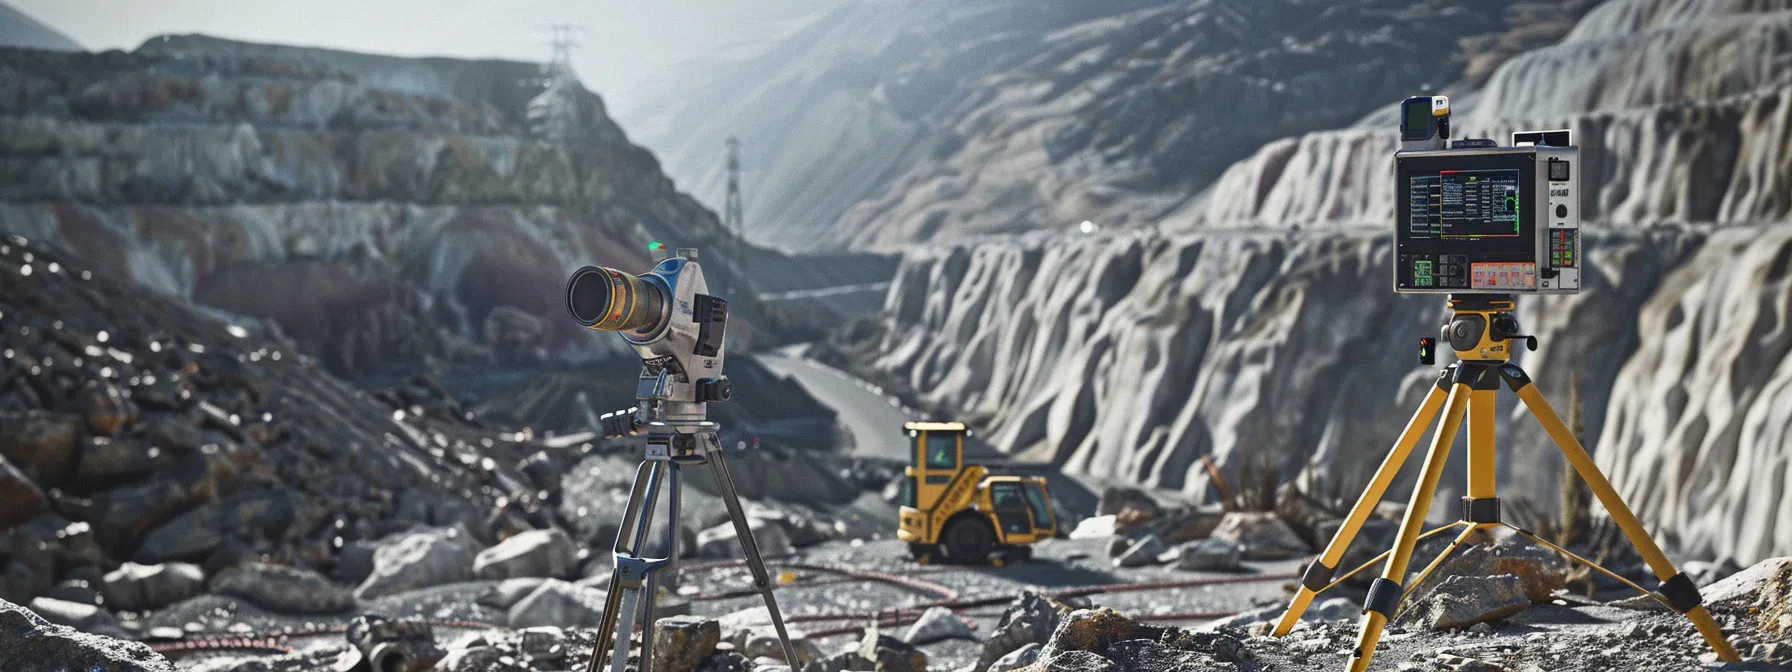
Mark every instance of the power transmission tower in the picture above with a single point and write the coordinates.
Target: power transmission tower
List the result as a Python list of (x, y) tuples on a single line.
[(731, 211), (560, 36)]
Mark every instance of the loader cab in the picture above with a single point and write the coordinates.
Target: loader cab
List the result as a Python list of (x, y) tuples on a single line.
[(936, 456)]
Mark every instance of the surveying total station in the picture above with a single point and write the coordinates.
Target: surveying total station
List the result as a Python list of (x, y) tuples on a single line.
[(670, 320), (1481, 223)]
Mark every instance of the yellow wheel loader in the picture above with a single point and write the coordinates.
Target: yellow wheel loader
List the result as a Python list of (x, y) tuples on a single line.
[(959, 513)]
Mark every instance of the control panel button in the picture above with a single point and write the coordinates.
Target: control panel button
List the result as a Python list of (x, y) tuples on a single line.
[(1562, 211)]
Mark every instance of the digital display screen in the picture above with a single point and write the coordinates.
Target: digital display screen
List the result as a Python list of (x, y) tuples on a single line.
[(1466, 222), (1464, 203)]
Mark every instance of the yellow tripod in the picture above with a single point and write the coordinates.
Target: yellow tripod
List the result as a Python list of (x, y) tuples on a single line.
[(1480, 332)]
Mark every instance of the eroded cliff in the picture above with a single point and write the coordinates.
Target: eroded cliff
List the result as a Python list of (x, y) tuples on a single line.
[(1258, 322), (380, 209)]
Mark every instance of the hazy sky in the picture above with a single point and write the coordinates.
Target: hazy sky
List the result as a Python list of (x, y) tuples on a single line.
[(623, 43)]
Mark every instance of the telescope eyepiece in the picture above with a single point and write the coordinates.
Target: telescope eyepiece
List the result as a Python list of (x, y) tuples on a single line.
[(610, 300)]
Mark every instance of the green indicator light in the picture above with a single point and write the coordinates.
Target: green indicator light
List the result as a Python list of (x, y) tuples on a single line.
[(654, 245)]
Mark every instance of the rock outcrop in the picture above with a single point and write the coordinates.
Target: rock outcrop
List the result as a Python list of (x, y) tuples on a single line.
[(382, 210), (1257, 324)]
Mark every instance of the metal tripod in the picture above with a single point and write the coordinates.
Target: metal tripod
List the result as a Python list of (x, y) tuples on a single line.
[(635, 580), (1480, 333)]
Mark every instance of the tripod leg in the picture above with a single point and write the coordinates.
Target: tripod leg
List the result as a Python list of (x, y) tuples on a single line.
[(1679, 590), (1384, 593), (620, 604), (1319, 574), (613, 597), (749, 547)]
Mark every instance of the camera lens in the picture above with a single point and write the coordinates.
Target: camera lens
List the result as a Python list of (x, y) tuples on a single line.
[(611, 300)]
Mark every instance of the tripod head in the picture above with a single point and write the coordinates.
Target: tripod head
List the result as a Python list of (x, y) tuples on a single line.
[(677, 328), (1480, 329)]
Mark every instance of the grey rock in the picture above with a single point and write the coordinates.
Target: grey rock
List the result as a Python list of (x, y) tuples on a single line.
[(42, 444), (722, 542), (1462, 601), (354, 563), (1078, 661), (1144, 654), (542, 643), (1189, 525), (477, 659), (1029, 619), (106, 462), (509, 591), (84, 617), (75, 590), (1335, 609), (729, 661), (544, 553), (1142, 552), (419, 559), (1209, 555), (134, 587), (1117, 545), (33, 644), (681, 643), (560, 604), (936, 624), (282, 588), (1016, 659), (1263, 535), (20, 498), (890, 654)]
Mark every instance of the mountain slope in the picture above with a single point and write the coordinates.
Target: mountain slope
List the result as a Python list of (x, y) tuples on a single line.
[(887, 123), (19, 30), (1258, 324), (385, 211)]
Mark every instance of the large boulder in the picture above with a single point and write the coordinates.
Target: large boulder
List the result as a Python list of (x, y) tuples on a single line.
[(83, 617), (937, 624), (1539, 571), (1142, 552), (134, 587), (419, 559), (558, 603), (1762, 592), (1189, 525), (680, 643), (1209, 555), (282, 588), (546, 553), (1264, 535), (31, 644), (722, 542), (510, 591), (1462, 601), (1087, 630), (1095, 527)]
